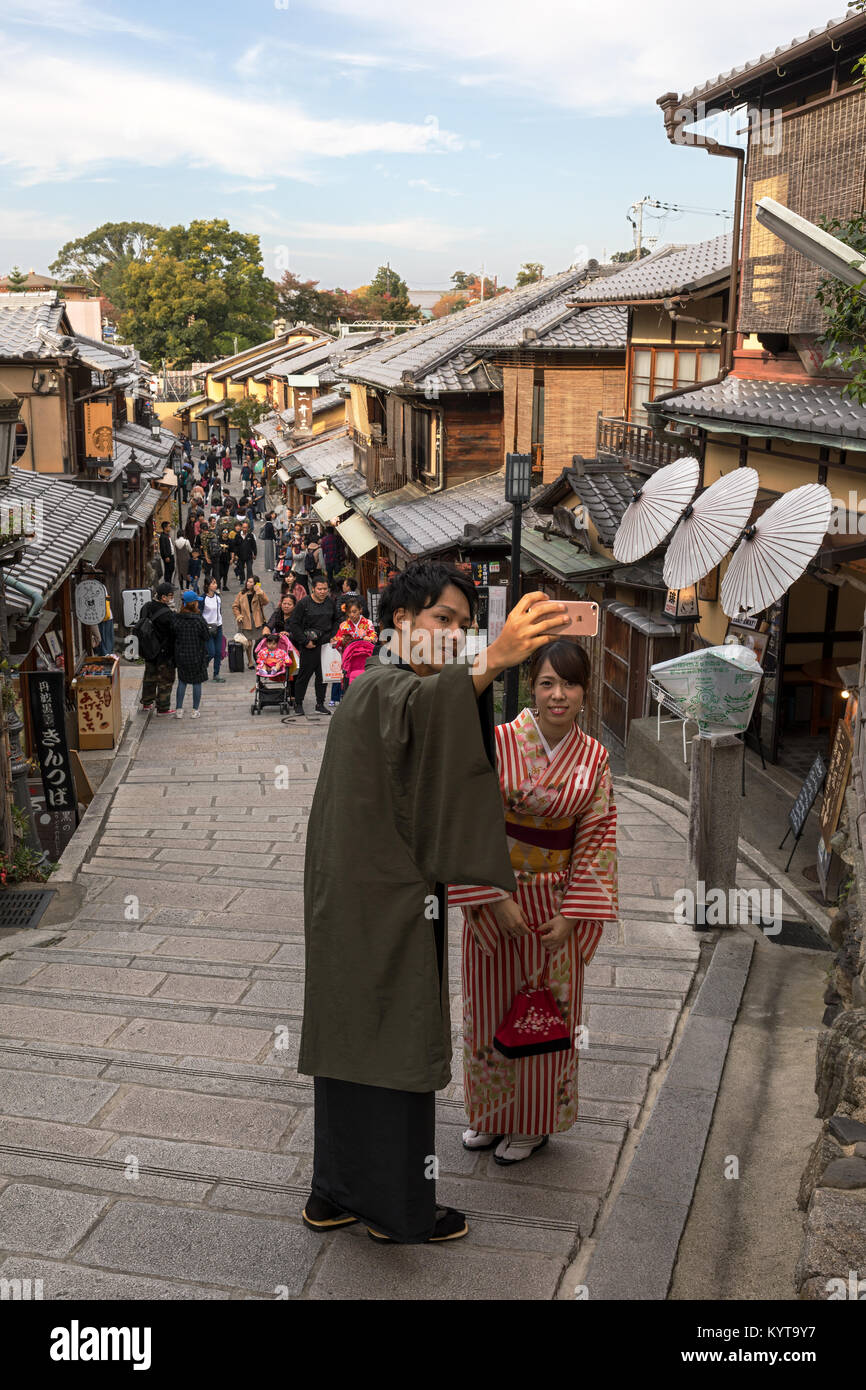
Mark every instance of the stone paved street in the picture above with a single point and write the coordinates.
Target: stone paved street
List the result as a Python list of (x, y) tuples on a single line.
[(156, 1138)]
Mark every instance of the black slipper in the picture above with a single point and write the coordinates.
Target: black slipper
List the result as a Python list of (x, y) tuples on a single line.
[(450, 1225), (320, 1215)]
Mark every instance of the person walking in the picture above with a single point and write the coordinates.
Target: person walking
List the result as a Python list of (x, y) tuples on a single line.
[(182, 552), (190, 651), (166, 552), (227, 466), (195, 566), (268, 535), (259, 499), (246, 471), (239, 453), (299, 565), (212, 612), (210, 551), (312, 624), (560, 820), (155, 634), (330, 549), (250, 608), (246, 550), (281, 617)]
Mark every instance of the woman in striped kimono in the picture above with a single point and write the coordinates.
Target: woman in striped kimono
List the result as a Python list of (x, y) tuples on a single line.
[(560, 819)]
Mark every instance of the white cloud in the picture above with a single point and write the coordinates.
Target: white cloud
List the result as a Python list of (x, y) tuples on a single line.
[(28, 224), (248, 188), (412, 233), (91, 114), (584, 56), (270, 57), (70, 17), (429, 187)]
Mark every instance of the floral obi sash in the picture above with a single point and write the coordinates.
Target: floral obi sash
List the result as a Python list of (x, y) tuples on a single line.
[(539, 845)]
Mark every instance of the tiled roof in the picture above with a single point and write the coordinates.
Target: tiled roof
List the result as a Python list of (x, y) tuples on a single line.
[(252, 360), (71, 516), (349, 483), (783, 407), (323, 459), (28, 324), (438, 353), (787, 52), (561, 557), (307, 358), (558, 324), (152, 454), (672, 270), (104, 358), (605, 492), (437, 521)]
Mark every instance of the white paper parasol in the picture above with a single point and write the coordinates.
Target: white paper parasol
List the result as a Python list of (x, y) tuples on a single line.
[(656, 507), (709, 527), (776, 550)]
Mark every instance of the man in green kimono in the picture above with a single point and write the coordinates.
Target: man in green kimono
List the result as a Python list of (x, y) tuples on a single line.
[(408, 780)]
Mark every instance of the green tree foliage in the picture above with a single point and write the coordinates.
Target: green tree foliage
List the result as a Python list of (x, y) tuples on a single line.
[(460, 280), (16, 279), (844, 337), (528, 273), (200, 288), (301, 301), (245, 415), (100, 259), (387, 297), (620, 257)]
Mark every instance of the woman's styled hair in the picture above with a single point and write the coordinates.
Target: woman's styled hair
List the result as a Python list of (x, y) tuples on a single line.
[(568, 659), (419, 586)]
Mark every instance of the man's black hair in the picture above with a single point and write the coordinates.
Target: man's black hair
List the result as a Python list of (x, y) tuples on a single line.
[(164, 524), (318, 578), (163, 589), (419, 586)]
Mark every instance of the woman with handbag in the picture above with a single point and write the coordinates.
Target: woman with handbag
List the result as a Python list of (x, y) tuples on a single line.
[(249, 609), (524, 954), (212, 612)]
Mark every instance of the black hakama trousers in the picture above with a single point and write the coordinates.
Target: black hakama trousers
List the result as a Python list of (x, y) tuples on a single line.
[(374, 1148), (374, 1156)]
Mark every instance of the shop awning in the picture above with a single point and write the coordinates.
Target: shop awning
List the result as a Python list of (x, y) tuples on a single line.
[(358, 536), (303, 483), (331, 506)]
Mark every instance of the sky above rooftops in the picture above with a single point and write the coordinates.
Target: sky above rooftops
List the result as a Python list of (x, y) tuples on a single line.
[(350, 132)]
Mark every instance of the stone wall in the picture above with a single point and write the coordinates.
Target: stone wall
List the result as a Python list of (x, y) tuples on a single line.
[(832, 1262)]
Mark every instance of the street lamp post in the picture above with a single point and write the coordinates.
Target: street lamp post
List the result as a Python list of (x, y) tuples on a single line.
[(518, 488)]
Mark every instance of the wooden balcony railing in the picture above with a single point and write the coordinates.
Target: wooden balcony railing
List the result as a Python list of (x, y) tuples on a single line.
[(377, 462), (637, 446)]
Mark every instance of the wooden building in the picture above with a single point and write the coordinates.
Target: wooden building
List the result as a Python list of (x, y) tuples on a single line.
[(780, 409)]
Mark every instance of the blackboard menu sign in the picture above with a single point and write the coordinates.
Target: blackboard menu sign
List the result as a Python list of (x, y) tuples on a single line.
[(837, 780), (806, 796)]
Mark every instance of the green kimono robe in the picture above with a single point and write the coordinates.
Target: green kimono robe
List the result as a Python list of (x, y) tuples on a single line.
[(407, 799)]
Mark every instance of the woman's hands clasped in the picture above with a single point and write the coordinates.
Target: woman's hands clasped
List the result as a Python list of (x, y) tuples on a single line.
[(510, 919)]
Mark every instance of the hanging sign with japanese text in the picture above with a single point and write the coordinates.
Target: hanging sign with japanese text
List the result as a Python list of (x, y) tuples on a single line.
[(49, 738), (133, 602), (90, 598)]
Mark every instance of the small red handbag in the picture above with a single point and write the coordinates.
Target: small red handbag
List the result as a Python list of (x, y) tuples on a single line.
[(533, 1024)]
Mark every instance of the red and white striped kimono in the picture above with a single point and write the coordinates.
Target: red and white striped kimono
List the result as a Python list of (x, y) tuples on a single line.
[(560, 819)]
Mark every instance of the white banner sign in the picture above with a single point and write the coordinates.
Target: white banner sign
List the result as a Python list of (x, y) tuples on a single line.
[(133, 602), (496, 596)]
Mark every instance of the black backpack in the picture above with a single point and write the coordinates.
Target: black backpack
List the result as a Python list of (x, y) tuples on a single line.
[(149, 642)]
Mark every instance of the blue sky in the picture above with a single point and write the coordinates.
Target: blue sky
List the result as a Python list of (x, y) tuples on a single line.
[(346, 133)]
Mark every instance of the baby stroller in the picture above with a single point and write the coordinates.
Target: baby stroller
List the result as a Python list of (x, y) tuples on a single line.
[(354, 659), (277, 663)]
